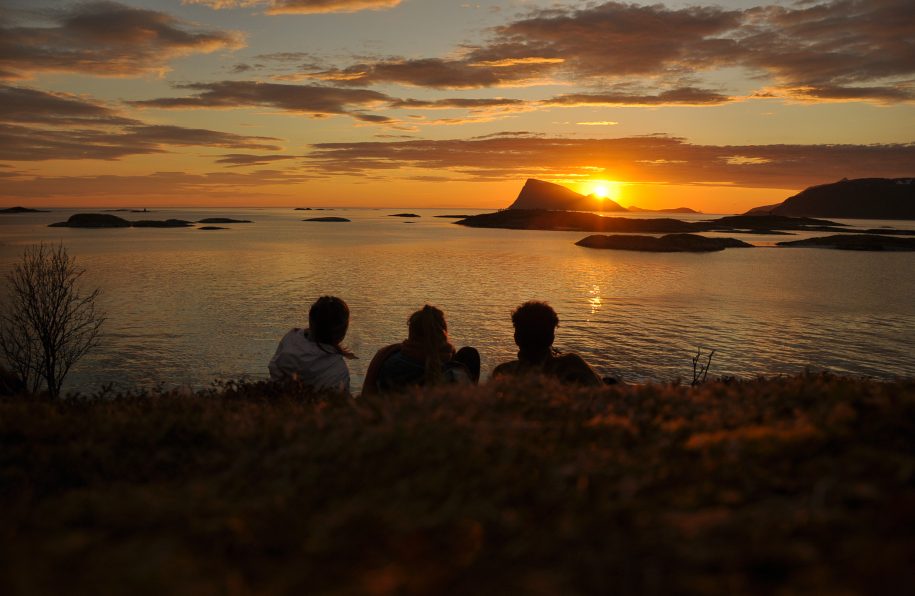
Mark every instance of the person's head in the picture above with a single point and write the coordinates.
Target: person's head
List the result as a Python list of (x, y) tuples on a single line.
[(535, 327), (428, 330), (328, 321), (427, 326)]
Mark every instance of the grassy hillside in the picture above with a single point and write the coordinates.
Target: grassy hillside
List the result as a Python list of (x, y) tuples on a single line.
[(779, 486)]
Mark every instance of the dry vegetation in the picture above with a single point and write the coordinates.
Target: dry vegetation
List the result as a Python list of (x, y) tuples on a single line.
[(801, 485)]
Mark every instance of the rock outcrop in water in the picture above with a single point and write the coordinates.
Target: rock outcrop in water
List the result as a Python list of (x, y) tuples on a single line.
[(223, 220), (14, 210), (768, 223), (106, 220), (668, 243), (634, 209), (328, 219), (403, 215), (866, 242), (92, 220), (532, 219), (863, 198), (158, 223), (541, 219), (537, 194)]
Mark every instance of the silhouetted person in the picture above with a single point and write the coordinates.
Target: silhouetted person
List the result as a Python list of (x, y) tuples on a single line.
[(315, 356), (535, 329), (425, 358)]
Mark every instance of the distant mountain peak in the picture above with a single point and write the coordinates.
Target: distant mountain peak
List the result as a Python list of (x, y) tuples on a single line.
[(539, 194)]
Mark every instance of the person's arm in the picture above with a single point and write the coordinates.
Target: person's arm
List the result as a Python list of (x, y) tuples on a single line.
[(502, 370), (370, 385), (578, 371)]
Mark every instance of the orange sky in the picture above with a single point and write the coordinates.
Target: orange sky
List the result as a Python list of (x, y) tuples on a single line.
[(405, 103)]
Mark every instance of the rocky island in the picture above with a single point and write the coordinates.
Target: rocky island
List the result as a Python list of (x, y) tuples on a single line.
[(634, 209), (223, 220), (92, 220), (14, 210), (106, 220), (668, 243), (577, 221), (866, 242), (403, 215), (863, 198), (328, 219), (157, 223), (539, 219)]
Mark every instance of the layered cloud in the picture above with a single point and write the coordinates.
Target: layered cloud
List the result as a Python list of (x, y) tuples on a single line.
[(815, 51), (301, 6), (439, 73), (38, 125), (237, 160), (322, 100), (688, 96), (654, 158), (103, 39), (835, 50), (226, 186), (306, 99)]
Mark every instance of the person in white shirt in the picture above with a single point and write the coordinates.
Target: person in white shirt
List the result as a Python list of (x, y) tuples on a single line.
[(315, 356)]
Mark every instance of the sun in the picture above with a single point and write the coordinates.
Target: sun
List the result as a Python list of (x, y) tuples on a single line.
[(604, 189)]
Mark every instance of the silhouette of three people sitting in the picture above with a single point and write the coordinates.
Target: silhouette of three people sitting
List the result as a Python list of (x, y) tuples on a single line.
[(316, 358)]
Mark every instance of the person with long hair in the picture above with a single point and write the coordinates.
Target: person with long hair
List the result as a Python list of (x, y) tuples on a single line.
[(316, 356), (535, 329), (425, 358)]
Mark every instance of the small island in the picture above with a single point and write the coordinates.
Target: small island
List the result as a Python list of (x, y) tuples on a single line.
[(106, 220), (155, 223), (209, 228), (865, 242), (14, 210), (668, 243), (542, 219), (223, 220), (634, 209), (328, 219), (403, 215), (92, 220)]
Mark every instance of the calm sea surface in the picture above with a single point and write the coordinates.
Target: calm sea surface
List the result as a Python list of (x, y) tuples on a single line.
[(188, 307)]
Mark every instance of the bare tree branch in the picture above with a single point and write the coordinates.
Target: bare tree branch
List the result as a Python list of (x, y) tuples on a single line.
[(49, 323)]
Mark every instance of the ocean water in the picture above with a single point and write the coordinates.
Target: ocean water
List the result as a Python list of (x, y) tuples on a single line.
[(188, 307)]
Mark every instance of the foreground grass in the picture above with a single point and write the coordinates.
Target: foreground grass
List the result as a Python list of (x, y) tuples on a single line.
[(795, 485)]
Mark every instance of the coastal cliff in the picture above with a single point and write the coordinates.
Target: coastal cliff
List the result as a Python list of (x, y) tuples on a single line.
[(863, 198)]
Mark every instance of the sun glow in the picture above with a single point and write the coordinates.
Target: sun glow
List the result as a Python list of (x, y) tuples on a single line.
[(604, 189)]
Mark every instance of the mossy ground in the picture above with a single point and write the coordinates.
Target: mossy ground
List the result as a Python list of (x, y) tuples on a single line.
[(797, 485)]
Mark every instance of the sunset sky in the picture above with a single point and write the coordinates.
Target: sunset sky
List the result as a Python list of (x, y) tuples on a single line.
[(441, 103)]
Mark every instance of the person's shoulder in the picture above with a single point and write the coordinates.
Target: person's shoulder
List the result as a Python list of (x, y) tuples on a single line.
[(506, 368), (294, 334), (570, 359), (386, 352), (571, 367)]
